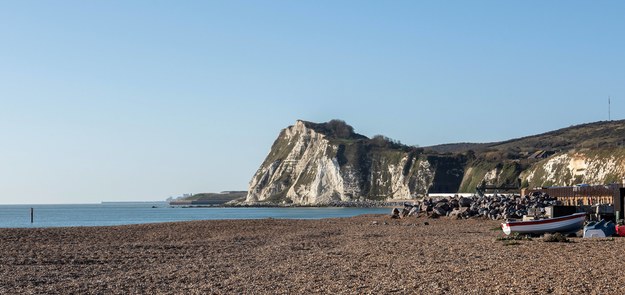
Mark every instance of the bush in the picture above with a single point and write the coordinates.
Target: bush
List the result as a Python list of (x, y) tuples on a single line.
[(555, 238), (385, 142), (515, 237), (340, 129)]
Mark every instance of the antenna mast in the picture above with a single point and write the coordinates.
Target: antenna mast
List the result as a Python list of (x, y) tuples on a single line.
[(609, 118)]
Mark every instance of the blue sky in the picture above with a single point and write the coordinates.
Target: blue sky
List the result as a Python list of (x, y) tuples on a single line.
[(140, 100)]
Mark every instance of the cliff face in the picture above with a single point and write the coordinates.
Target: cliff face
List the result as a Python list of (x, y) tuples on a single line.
[(300, 167), (313, 163), (599, 166), (307, 166)]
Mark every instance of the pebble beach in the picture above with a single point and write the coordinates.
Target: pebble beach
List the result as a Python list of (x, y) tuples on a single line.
[(369, 254)]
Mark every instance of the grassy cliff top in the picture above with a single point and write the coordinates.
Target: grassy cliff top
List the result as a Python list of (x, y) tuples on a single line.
[(339, 132), (334, 129), (603, 134)]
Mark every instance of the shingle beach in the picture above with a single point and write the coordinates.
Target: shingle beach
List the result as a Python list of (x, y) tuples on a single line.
[(358, 255)]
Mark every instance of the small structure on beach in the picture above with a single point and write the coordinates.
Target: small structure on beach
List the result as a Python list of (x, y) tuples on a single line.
[(597, 199)]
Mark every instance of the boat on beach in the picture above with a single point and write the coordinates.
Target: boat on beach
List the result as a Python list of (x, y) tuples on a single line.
[(563, 224)]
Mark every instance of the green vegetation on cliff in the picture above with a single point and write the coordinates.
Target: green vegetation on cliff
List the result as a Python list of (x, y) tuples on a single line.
[(597, 135), (210, 198)]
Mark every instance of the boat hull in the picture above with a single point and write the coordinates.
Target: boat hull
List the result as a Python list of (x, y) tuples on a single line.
[(564, 224)]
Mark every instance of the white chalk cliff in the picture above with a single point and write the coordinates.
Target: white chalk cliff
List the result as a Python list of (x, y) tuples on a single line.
[(308, 165)]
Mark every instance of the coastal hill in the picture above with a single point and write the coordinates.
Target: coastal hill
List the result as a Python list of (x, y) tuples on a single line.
[(317, 163), (209, 198), (601, 134)]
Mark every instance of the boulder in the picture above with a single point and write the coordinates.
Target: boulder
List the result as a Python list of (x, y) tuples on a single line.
[(440, 211), (458, 213), (405, 212), (443, 206), (465, 202), (395, 213)]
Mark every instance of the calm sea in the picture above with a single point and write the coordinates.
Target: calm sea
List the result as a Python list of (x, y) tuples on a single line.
[(135, 213)]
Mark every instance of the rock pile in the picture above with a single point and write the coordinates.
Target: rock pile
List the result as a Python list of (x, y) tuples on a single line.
[(492, 206)]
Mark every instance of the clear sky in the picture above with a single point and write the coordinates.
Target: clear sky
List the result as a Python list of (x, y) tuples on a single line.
[(141, 100)]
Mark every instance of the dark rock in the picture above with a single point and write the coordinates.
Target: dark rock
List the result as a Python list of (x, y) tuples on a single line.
[(440, 211), (395, 213), (442, 206), (465, 202), (405, 212)]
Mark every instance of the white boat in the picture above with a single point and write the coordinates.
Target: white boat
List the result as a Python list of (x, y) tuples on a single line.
[(563, 224)]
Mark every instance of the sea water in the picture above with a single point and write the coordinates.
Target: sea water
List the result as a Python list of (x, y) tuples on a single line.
[(136, 213)]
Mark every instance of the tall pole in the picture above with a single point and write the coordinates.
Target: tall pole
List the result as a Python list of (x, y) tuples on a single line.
[(609, 117)]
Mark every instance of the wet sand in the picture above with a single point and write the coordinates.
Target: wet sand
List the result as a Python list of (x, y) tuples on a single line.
[(344, 256)]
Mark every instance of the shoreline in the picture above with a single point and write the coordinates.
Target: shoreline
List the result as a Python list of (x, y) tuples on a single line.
[(337, 204), (80, 217)]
